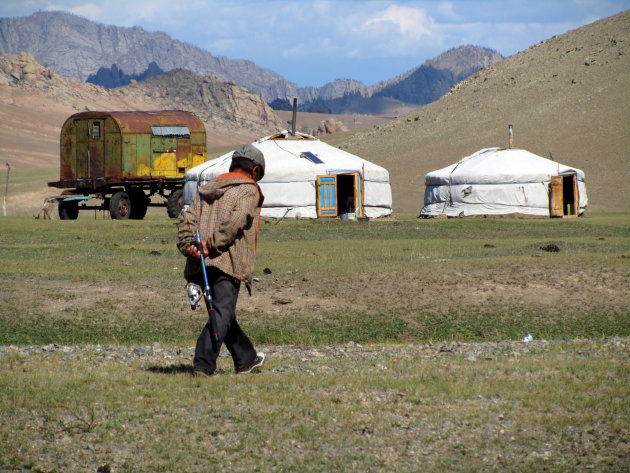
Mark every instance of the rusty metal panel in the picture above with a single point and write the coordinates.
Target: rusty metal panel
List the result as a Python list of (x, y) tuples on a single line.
[(198, 151), (68, 151), (113, 151), (81, 150), (555, 197), (184, 156), (114, 146), (96, 148), (113, 157), (141, 122)]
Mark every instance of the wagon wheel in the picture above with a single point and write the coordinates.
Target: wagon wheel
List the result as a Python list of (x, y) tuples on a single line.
[(120, 206), (139, 204), (68, 210), (174, 203)]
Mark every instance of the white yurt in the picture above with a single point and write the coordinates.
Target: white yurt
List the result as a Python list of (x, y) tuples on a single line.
[(307, 178), (498, 181)]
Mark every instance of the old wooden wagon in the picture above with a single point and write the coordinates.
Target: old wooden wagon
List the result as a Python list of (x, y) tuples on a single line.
[(125, 158)]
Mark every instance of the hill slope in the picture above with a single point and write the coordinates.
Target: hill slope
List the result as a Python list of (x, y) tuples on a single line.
[(464, 60), (34, 102), (567, 96)]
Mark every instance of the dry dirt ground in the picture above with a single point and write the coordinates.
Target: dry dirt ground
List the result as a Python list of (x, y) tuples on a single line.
[(288, 294)]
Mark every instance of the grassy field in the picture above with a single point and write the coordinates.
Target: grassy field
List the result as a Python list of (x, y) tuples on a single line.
[(401, 288), (561, 408), (401, 280)]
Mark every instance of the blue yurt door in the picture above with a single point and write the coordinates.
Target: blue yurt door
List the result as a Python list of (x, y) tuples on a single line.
[(327, 196), (339, 194)]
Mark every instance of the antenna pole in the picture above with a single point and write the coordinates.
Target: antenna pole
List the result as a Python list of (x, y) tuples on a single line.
[(6, 189), (294, 119)]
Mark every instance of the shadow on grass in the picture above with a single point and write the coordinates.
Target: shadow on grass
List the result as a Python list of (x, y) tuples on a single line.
[(172, 369)]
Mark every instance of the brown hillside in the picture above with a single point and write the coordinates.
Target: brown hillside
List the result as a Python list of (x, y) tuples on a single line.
[(568, 96), (317, 124), (34, 103)]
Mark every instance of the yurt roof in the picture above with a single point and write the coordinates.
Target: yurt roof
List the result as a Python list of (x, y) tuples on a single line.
[(498, 165), (299, 158)]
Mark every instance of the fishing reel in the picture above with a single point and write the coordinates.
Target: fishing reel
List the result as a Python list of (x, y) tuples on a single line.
[(194, 294)]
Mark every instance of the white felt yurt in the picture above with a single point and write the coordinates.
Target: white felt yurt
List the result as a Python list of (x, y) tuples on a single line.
[(307, 178), (497, 181)]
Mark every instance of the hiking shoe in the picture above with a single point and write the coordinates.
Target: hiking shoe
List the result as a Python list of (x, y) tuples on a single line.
[(201, 373), (257, 363)]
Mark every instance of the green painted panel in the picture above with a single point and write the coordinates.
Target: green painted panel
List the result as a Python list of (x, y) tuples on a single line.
[(129, 151), (113, 157), (143, 155)]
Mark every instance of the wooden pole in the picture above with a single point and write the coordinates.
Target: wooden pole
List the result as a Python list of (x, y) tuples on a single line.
[(6, 189), (294, 118)]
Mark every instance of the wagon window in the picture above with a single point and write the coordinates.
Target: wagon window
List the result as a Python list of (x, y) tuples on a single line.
[(96, 130), (179, 131)]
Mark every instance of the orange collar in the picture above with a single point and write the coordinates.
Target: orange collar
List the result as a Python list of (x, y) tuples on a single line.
[(237, 173)]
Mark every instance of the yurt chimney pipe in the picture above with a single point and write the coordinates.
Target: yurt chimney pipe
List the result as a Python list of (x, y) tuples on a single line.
[(294, 118), (511, 137)]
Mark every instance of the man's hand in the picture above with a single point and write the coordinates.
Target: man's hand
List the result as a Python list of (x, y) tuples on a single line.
[(193, 252)]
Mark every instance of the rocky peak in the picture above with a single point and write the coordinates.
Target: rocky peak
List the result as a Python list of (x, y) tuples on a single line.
[(212, 99), (464, 60), (218, 103)]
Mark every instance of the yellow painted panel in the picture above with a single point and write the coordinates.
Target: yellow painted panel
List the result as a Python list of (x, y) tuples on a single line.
[(165, 164), (143, 170), (198, 159)]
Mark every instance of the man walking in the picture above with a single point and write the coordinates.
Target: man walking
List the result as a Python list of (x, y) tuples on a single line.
[(226, 211)]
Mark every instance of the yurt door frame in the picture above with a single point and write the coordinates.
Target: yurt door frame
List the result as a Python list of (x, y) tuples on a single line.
[(563, 196), (339, 193)]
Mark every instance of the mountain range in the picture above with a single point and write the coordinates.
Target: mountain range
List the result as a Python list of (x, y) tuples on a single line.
[(112, 56)]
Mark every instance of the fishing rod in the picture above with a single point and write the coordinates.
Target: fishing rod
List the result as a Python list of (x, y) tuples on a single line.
[(195, 295)]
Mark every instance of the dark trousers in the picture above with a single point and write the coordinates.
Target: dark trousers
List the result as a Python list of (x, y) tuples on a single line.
[(224, 290)]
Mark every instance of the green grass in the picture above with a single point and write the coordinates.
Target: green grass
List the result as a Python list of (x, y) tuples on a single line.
[(425, 285), (563, 408), (399, 280)]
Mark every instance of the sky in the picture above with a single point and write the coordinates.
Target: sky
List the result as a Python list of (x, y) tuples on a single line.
[(313, 42)]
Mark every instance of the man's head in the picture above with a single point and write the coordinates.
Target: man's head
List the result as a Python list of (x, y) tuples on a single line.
[(250, 159)]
